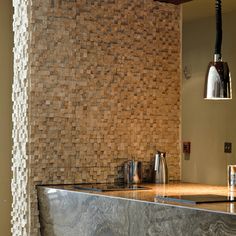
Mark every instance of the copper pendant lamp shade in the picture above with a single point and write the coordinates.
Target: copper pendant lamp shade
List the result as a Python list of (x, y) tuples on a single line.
[(218, 79)]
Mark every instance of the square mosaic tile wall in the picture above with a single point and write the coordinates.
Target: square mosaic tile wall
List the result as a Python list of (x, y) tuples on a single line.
[(20, 134), (104, 87)]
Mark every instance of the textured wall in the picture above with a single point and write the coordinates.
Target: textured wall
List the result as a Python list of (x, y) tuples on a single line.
[(6, 76), (20, 167), (104, 86)]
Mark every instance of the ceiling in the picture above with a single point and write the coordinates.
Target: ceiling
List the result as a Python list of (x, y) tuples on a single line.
[(197, 9)]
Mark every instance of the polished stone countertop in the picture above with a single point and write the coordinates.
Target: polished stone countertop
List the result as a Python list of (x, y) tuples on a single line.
[(171, 189)]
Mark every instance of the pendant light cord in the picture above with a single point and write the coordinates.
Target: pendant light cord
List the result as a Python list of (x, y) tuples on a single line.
[(218, 28)]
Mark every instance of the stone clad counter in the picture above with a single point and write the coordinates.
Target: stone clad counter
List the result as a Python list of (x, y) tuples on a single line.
[(67, 211)]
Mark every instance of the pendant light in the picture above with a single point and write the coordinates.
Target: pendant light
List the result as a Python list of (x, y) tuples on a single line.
[(218, 80)]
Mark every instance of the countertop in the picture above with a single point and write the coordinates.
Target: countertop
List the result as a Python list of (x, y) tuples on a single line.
[(170, 189)]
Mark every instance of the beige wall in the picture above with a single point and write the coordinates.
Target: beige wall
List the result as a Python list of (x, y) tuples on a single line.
[(6, 74), (207, 124), (104, 85)]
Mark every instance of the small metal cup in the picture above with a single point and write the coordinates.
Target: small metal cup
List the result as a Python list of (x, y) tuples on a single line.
[(133, 172), (231, 177)]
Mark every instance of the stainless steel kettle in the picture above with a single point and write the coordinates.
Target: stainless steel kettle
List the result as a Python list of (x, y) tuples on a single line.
[(133, 172), (160, 168)]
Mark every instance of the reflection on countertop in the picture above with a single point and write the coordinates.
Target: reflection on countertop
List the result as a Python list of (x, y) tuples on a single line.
[(171, 189)]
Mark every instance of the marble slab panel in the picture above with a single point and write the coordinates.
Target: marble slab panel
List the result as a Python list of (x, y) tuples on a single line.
[(71, 213)]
